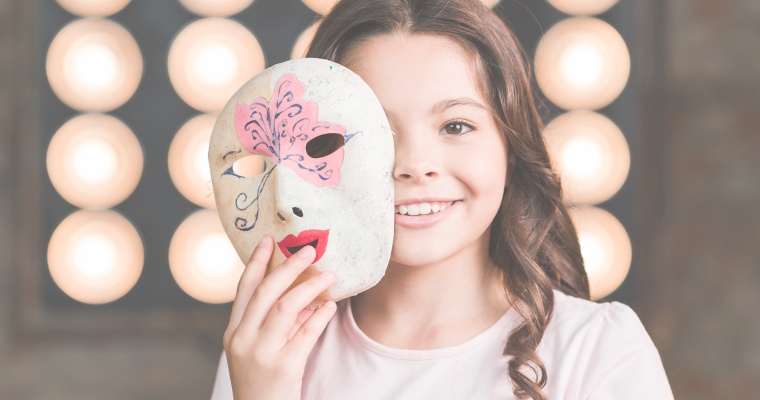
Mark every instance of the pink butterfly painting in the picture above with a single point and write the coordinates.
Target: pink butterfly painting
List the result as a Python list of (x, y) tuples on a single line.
[(281, 128)]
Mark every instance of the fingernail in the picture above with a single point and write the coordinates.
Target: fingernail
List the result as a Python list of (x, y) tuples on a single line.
[(327, 275), (306, 252), (264, 240)]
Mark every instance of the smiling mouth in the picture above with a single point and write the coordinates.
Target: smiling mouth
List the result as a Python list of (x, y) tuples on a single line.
[(313, 237)]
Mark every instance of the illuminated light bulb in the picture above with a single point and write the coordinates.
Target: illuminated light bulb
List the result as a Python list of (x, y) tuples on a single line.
[(301, 46), (94, 161), (590, 154), (583, 7), (94, 65), (202, 259), (210, 59), (321, 7), (216, 8), (95, 257), (188, 160), (93, 8), (582, 64), (605, 247)]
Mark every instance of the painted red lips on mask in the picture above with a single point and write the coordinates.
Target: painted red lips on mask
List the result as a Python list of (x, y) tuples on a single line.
[(313, 237)]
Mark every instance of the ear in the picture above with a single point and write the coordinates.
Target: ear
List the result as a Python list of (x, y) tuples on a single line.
[(511, 160)]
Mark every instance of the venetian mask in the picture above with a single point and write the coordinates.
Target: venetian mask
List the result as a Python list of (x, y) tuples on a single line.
[(303, 152)]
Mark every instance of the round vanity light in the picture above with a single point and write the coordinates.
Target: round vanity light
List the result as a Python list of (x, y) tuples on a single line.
[(94, 65), (582, 63), (590, 154), (188, 160), (202, 260), (605, 247), (210, 59), (93, 8), (301, 46), (95, 256), (216, 8), (94, 161), (583, 7)]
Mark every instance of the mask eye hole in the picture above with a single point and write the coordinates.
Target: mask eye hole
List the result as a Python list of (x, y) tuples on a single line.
[(249, 166), (324, 145)]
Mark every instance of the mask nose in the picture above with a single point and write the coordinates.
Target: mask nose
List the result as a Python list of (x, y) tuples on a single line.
[(288, 195)]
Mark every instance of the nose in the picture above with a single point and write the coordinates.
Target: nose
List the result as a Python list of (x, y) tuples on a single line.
[(416, 159)]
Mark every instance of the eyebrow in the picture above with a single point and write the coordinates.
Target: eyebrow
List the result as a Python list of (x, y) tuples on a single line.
[(444, 105)]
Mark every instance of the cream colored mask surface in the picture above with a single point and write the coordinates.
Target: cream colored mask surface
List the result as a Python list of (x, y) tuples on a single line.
[(303, 152)]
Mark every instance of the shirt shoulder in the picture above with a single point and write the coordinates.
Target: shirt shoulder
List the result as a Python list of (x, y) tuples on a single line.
[(606, 350)]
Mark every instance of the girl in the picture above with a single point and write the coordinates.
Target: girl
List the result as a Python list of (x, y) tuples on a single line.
[(487, 299)]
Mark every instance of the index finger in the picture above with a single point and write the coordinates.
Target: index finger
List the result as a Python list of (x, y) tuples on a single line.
[(250, 279)]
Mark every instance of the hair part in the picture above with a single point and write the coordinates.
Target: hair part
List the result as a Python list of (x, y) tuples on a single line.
[(532, 240)]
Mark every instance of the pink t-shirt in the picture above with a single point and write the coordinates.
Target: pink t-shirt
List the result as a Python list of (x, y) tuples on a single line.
[(590, 350)]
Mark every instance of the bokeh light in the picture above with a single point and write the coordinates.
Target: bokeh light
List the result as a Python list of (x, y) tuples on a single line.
[(583, 7), (605, 247), (322, 7), (210, 59), (301, 46), (93, 8), (490, 3), (202, 259), (94, 161), (188, 160), (95, 256), (590, 154), (582, 63), (94, 65), (216, 8)]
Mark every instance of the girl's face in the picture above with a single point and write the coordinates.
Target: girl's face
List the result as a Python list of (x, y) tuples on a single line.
[(451, 158)]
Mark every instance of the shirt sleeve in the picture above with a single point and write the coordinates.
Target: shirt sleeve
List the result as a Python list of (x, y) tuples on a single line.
[(222, 384), (624, 363)]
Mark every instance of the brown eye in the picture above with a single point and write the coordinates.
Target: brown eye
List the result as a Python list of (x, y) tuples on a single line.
[(455, 128)]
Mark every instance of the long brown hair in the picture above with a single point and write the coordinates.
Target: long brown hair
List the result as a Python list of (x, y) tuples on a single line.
[(533, 240)]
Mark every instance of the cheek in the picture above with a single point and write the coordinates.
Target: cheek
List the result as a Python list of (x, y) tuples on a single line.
[(482, 168)]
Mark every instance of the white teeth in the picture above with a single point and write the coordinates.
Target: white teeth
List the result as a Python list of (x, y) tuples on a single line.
[(425, 208), (421, 208)]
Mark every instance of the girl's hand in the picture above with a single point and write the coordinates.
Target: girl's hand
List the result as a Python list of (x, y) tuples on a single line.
[(270, 336)]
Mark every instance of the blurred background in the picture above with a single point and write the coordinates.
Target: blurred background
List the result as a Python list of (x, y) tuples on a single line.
[(116, 276)]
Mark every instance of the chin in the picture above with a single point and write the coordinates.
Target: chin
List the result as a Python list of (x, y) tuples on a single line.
[(426, 251)]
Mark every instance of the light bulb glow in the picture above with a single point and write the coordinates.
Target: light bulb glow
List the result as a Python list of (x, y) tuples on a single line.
[(582, 63), (583, 7), (210, 59), (188, 160), (95, 256), (215, 64), (203, 261), (94, 161), (605, 247), (216, 8), (93, 8), (301, 46), (590, 154), (94, 65)]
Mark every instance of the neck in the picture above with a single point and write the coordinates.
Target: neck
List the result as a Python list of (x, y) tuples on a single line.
[(435, 305)]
